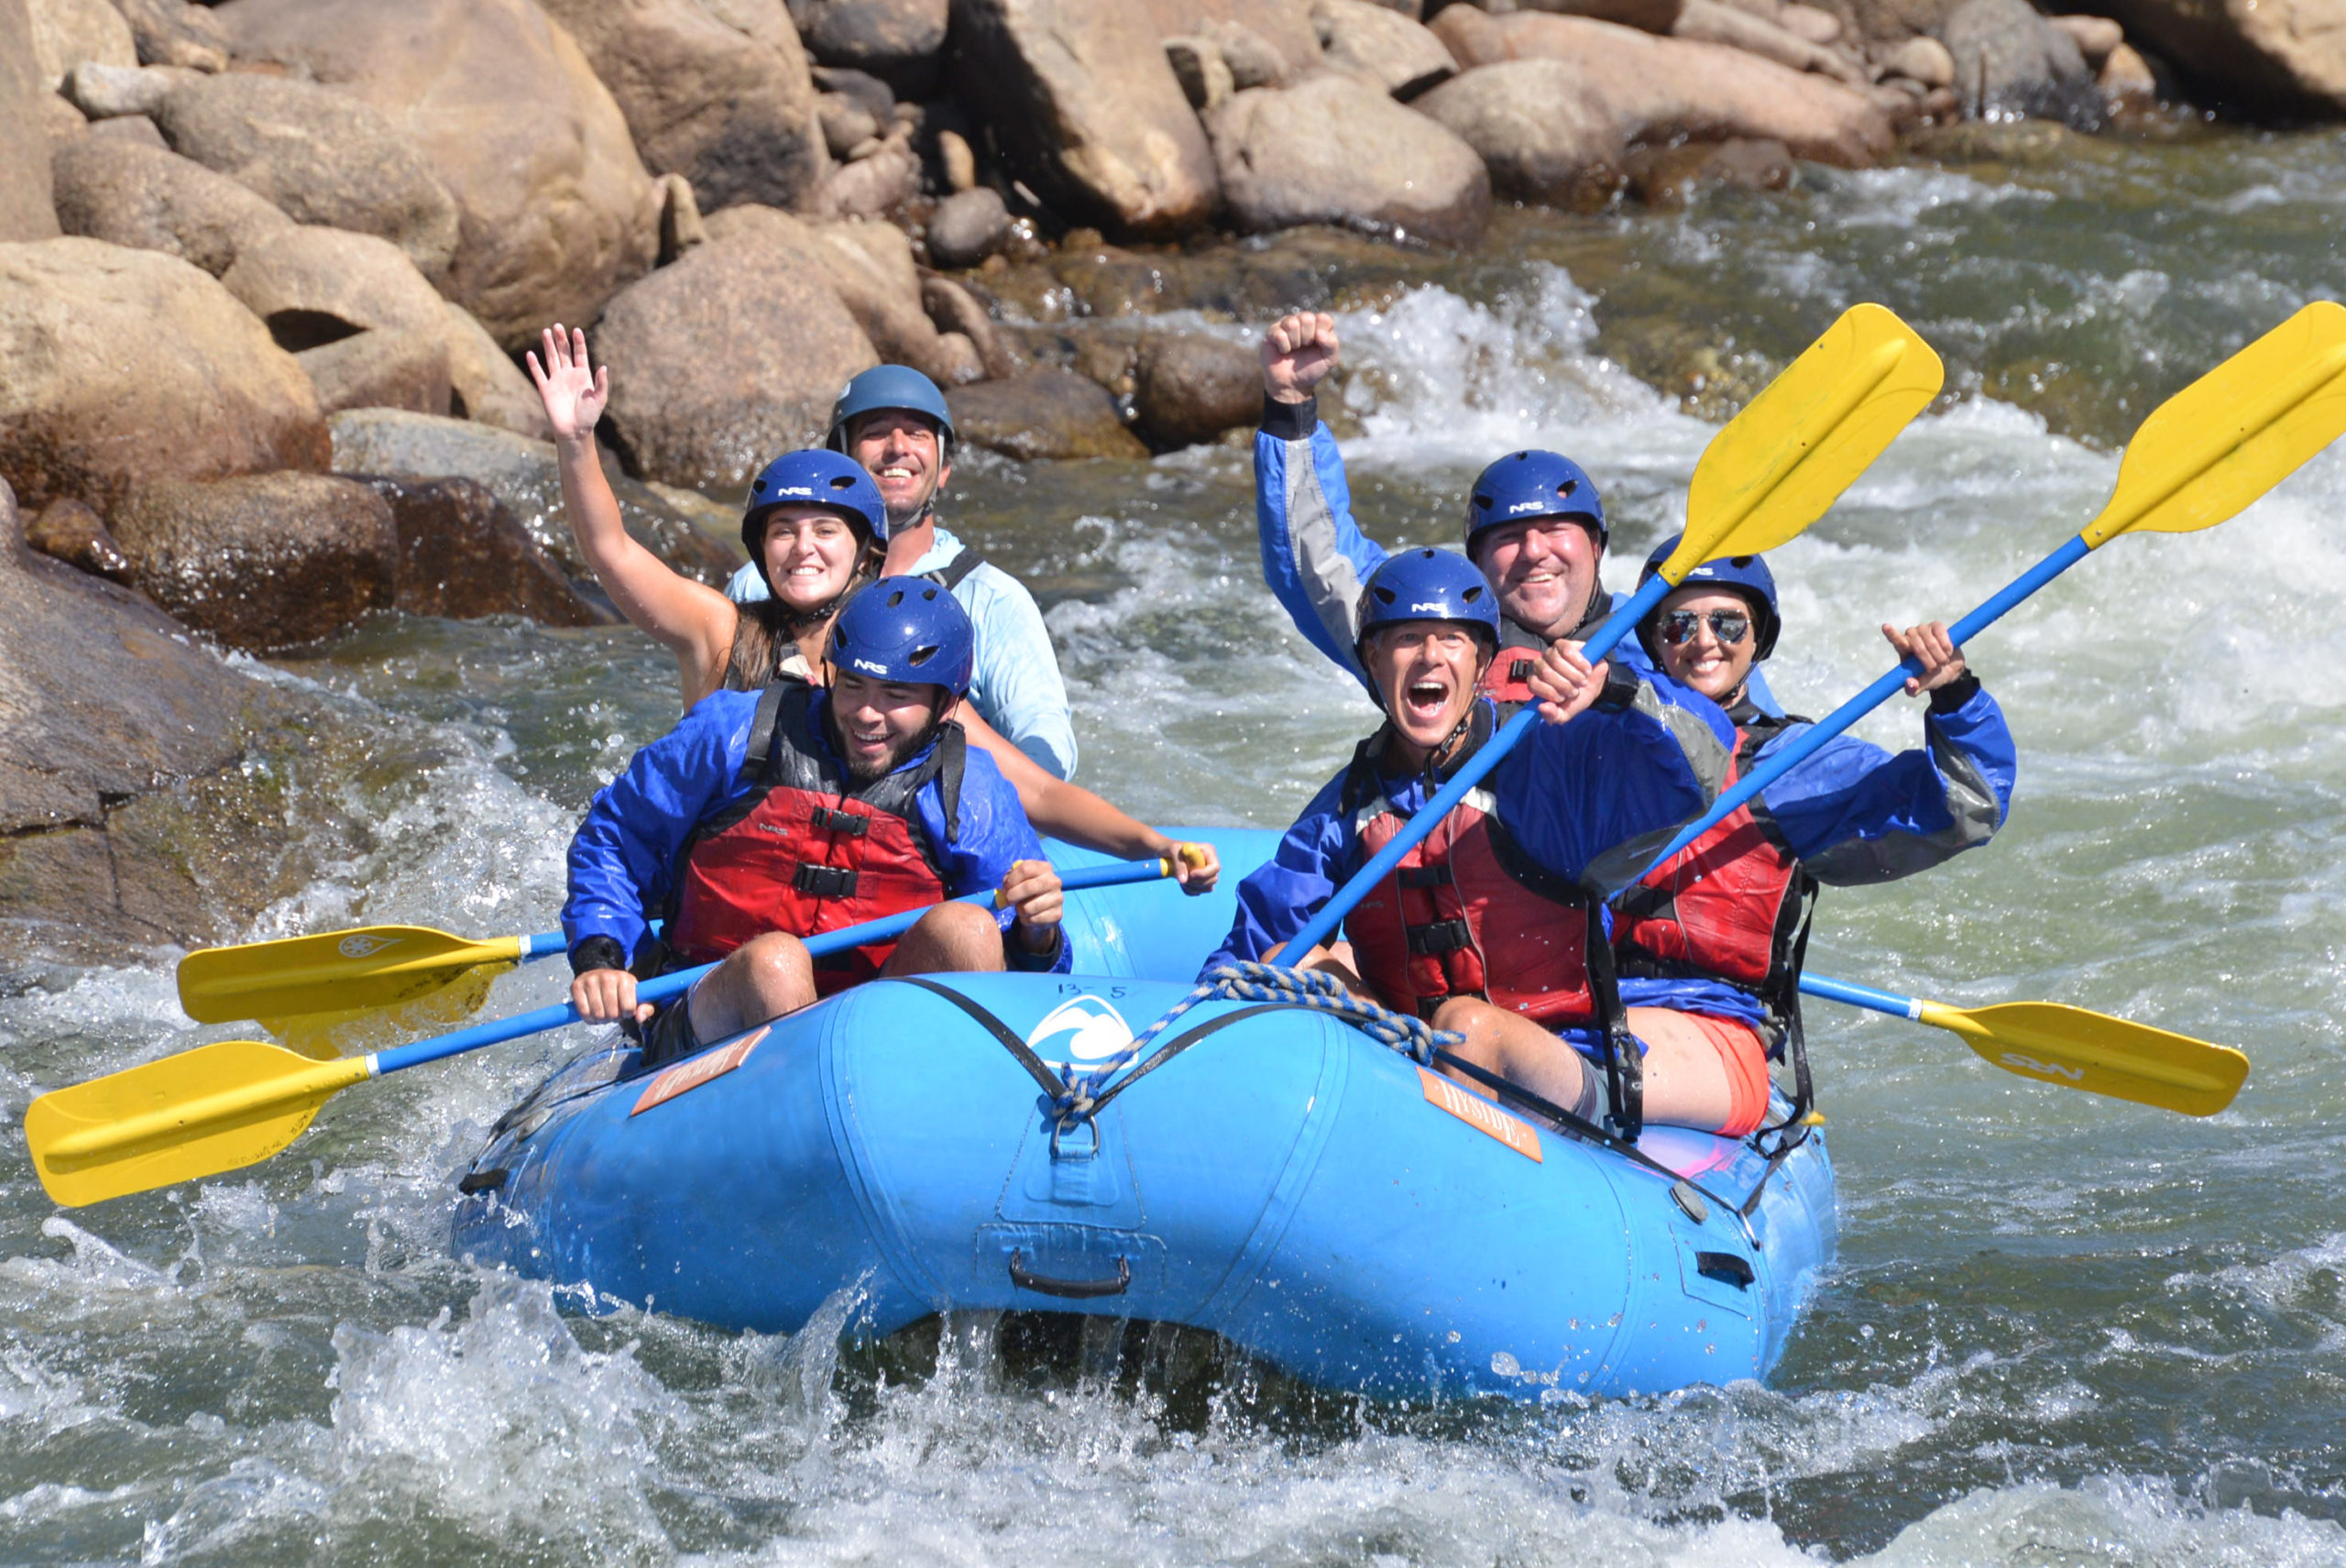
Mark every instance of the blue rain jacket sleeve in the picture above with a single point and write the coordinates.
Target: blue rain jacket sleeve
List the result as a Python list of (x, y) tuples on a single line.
[(1856, 813), (624, 855), (1316, 559), (993, 832), (1590, 800)]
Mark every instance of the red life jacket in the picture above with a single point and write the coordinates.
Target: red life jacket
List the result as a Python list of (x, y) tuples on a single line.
[(806, 851), (1467, 913), (1733, 906)]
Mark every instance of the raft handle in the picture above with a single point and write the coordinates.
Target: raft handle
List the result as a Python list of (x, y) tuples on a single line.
[(1070, 1289), (1727, 1269)]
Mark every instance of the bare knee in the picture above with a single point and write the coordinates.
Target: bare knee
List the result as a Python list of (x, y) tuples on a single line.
[(949, 937)]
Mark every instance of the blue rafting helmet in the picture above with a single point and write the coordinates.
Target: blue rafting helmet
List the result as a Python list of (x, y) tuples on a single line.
[(889, 387), (908, 629), (812, 478), (1533, 484), (1429, 585), (1745, 576)]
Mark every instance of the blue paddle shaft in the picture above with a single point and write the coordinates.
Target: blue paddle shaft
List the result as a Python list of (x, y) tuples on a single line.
[(1790, 755), (544, 1018), (1322, 925), (1865, 996)]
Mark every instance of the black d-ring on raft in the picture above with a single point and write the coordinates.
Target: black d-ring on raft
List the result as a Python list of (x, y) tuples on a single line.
[(1070, 1289)]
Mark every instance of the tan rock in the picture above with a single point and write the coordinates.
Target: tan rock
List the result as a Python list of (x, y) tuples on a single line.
[(1677, 89), (2128, 79), (1645, 16), (1188, 388), (2095, 37), (1284, 26), (957, 313), (882, 178), (967, 227), (137, 130), (1536, 130), (58, 121), (1707, 21), (1380, 46), (68, 32), (1048, 413), (1813, 23), (318, 155), (902, 43), (959, 160), (1331, 150), (1085, 109), (731, 111), (152, 200), (104, 91), (1666, 177), (1198, 65), (2010, 61), (25, 212), (130, 365), (484, 383), (313, 286), (555, 209), (263, 561), (2284, 56), (381, 369), (866, 266), (70, 531), (1474, 35), (726, 358), (172, 32), (1922, 60)]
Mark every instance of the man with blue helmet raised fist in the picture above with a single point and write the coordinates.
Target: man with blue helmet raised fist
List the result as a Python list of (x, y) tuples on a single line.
[(1535, 525), (894, 421), (765, 817)]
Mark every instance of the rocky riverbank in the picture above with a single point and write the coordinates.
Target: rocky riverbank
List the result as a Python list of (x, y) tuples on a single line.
[(266, 268)]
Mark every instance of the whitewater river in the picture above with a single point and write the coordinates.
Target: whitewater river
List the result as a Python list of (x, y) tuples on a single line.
[(2062, 1330)]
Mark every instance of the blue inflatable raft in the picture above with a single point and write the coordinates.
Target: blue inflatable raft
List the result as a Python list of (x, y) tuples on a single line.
[(1277, 1177)]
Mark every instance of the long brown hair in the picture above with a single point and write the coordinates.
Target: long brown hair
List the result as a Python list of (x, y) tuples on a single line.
[(766, 630)]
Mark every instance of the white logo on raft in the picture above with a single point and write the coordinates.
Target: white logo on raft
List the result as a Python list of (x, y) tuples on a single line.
[(868, 664), (2043, 1068), (361, 945), (1081, 1028)]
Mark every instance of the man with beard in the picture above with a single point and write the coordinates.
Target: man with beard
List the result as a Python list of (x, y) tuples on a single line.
[(1535, 525), (894, 421), (765, 817)]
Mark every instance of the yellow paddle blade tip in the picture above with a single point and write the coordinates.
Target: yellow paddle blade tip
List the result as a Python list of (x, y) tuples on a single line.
[(185, 1117), (1785, 459), (2078, 1048)]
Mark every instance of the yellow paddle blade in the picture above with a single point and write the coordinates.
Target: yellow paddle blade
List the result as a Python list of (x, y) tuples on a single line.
[(375, 966), (1786, 458), (354, 1031), (179, 1119), (2235, 432), (2071, 1045)]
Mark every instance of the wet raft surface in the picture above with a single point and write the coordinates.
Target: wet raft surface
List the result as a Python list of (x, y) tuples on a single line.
[(2061, 1328)]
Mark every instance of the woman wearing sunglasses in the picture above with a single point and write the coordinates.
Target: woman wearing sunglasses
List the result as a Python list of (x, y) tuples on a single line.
[(1709, 946)]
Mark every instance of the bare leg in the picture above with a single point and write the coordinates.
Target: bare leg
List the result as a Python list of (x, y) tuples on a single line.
[(1686, 1084), (764, 978), (1335, 959), (1507, 1043), (950, 937)]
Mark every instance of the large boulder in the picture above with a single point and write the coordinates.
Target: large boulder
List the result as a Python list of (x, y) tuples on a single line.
[(731, 110), (366, 326), (108, 713), (1538, 133), (555, 209), (1710, 21), (1044, 413), (1381, 46), (2009, 61), (130, 365), (1332, 151), (727, 356), (2274, 57), (1660, 89), (902, 43), (117, 190), (66, 33), (1189, 388), (173, 32), (319, 155), (868, 267), (1283, 25), (484, 383), (25, 209), (686, 530), (266, 560), (1084, 108), (462, 554)]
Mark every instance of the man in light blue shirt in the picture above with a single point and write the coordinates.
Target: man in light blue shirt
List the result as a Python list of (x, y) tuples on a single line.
[(894, 421)]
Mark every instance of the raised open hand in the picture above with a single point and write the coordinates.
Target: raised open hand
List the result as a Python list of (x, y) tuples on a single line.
[(574, 396), (1297, 353)]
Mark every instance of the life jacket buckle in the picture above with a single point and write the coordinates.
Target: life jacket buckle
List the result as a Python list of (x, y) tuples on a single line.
[(824, 882), (854, 824), (1442, 937), (1427, 876)]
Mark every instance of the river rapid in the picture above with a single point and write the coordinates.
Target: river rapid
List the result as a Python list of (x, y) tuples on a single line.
[(2062, 1330)]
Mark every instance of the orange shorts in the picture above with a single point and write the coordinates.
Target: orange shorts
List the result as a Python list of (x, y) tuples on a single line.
[(1743, 1057)]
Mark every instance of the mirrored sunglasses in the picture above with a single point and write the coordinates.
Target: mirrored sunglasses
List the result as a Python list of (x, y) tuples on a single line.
[(1729, 626)]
